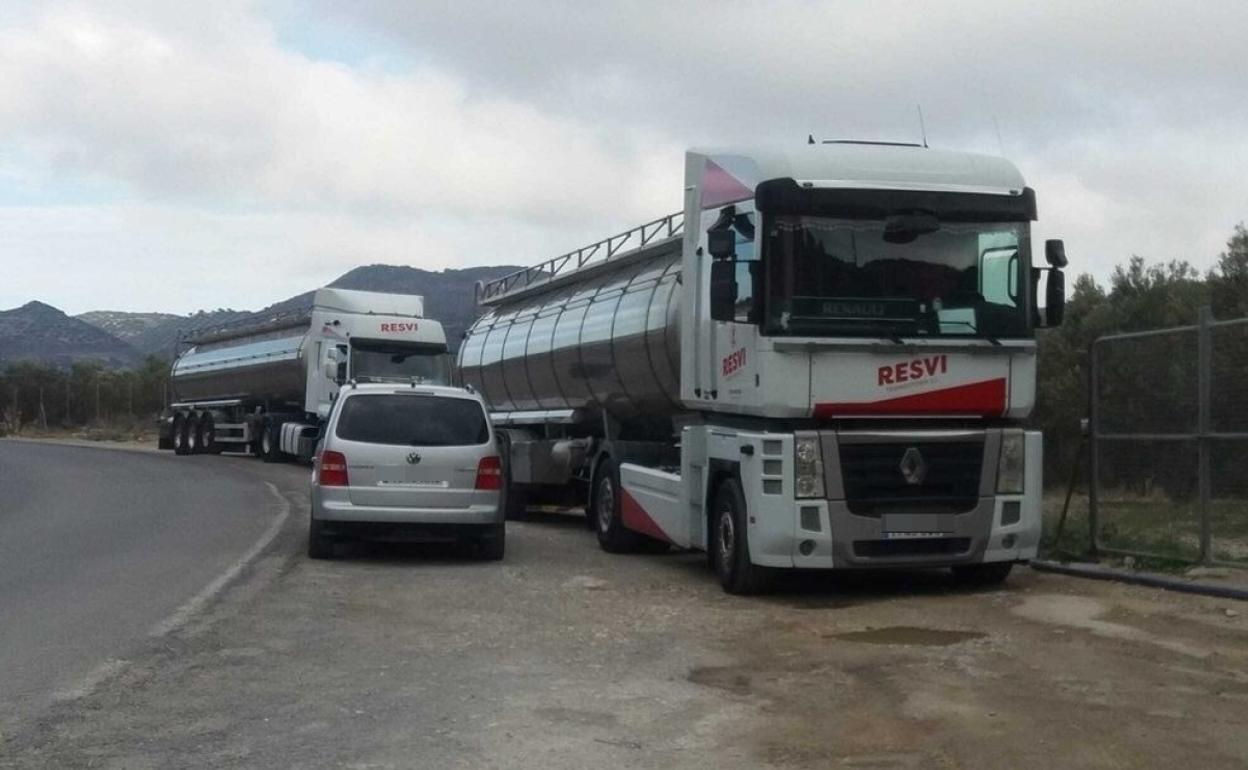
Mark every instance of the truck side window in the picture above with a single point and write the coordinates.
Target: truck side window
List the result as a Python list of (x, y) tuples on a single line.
[(343, 356), (747, 270)]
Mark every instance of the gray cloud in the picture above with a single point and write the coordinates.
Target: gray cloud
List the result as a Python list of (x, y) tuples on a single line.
[(522, 129)]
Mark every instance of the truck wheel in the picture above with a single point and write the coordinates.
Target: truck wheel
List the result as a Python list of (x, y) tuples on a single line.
[(605, 511), (990, 574), (731, 546), (515, 504), (208, 435), (270, 442), (179, 434), (493, 547), (193, 447), (320, 545)]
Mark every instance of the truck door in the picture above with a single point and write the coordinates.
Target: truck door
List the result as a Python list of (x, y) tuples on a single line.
[(733, 370)]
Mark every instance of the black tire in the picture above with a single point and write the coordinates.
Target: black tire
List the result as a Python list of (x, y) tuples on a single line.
[(191, 432), (493, 548), (515, 504), (270, 443), (320, 545), (730, 544), (604, 511), (179, 435), (208, 435), (990, 574)]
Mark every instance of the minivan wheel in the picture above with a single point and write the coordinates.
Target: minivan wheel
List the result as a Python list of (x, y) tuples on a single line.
[(604, 507), (320, 545), (730, 541), (493, 547)]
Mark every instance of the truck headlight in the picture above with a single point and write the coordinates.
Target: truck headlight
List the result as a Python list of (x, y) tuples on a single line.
[(808, 466), (1010, 466)]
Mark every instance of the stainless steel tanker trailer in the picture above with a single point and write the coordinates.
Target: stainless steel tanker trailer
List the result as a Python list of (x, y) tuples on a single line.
[(822, 362), (265, 384)]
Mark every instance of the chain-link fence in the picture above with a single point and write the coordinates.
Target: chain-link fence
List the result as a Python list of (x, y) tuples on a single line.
[(1168, 453)]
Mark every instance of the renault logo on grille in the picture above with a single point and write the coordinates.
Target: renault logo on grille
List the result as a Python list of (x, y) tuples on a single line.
[(913, 466), (413, 458)]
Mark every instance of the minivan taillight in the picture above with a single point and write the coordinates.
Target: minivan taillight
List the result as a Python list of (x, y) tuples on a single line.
[(490, 473), (333, 469)]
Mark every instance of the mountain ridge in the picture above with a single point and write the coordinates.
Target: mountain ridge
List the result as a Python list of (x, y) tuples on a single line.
[(38, 331), (130, 336)]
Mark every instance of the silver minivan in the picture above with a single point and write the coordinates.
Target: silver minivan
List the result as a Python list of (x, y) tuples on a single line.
[(407, 462)]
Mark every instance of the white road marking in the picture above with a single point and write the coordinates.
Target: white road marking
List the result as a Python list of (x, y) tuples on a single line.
[(181, 615), (86, 685)]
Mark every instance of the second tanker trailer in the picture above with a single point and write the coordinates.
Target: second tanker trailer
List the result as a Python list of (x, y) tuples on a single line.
[(823, 362)]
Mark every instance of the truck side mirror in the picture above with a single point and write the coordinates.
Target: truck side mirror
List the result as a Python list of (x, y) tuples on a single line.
[(722, 244), (1055, 297), (1055, 253), (331, 368), (723, 290)]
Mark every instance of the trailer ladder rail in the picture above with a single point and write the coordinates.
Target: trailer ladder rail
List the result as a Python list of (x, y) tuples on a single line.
[(252, 323), (606, 250)]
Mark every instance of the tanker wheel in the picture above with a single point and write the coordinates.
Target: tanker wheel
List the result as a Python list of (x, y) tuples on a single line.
[(515, 501), (270, 443), (179, 434), (605, 511), (730, 542), (193, 447), (515, 504), (208, 435)]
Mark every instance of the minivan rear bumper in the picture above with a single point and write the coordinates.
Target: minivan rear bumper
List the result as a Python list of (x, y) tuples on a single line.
[(333, 505)]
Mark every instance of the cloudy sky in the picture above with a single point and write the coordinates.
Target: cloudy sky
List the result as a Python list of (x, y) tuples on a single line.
[(175, 156)]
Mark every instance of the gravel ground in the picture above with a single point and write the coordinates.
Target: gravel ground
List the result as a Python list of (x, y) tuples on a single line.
[(563, 656)]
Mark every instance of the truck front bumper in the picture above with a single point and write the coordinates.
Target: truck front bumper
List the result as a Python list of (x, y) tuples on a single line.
[(826, 534)]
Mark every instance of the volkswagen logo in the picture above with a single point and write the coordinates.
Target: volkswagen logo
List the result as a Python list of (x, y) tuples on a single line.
[(913, 467), (413, 458)]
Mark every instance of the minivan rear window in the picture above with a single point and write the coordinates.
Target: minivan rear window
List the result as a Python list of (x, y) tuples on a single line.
[(412, 420)]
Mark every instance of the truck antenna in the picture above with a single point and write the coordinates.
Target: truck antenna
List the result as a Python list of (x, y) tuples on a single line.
[(1000, 143), (922, 126)]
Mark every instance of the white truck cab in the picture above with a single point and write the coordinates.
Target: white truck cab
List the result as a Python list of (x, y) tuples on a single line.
[(823, 361)]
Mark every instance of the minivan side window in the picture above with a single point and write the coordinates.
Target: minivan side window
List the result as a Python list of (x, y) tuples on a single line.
[(412, 420)]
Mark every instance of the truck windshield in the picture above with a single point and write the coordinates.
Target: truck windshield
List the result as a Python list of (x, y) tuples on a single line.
[(905, 276), (381, 360)]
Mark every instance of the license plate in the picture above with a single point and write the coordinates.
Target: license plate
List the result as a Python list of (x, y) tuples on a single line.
[(415, 484), (911, 535)]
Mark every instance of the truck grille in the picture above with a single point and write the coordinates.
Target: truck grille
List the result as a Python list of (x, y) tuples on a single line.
[(876, 481), (936, 546)]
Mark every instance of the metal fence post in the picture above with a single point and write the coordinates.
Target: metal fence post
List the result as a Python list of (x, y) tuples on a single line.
[(1094, 428), (1204, 373)]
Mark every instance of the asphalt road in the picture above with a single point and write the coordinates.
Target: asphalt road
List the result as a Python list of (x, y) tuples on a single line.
[(565, 657), (98, 548)]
